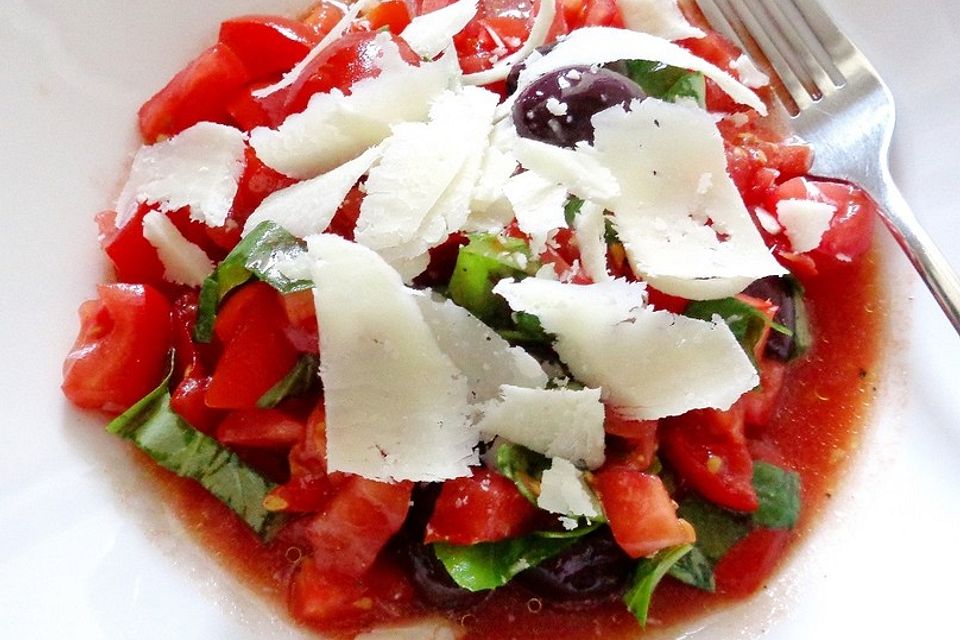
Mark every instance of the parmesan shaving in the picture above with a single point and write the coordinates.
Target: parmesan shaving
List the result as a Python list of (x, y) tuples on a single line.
[(661, 18), (805, 222), (430, 33), (183, 262), (538, 35), (564, 491)]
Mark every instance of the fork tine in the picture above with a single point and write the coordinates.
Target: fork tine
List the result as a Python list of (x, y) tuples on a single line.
[(719, 22), (843, 54), (759, 30), (797, 35)]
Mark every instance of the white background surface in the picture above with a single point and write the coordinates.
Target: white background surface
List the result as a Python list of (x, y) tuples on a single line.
[(84, 553)]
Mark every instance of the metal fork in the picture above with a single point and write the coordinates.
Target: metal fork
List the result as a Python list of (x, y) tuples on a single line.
[(832, 97)]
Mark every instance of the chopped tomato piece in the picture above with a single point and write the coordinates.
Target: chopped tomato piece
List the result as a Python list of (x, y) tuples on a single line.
[(134, 259), (302, 328), (485, 507), (708, 450), (359, 520), (257, 354), (665, 301), (642, 516), (350, 58), (122, 350), (267, 45), (189, 401), (748, 563), (309, 456), (323, 17), (851, 228), (260, 428), (721, 52), (759, 404), (257, 182), (635, 443), (392, 14), (201, 91), (318, 595)]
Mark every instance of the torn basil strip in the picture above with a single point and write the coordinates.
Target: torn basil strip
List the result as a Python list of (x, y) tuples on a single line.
[(488, 565), (524, 467), (298, 381), (260, 254), (667, 83), (176, 446), (778, 492), (648, 575), (695, 569)]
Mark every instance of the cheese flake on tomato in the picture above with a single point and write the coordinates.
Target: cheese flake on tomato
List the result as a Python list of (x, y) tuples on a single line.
[(661, 18), (678, 213), (649, 364), (538, 205), (600, 45), (198, 168), (421, 189), (183, 262), (335, 128), (564, 491), (563, 423), (805, 222), (487, 360), (589, 228), (430, 33), (396, 405), (307, 207)]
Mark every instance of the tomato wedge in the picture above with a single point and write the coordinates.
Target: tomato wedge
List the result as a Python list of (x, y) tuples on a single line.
[(485, 507), (134, 259), (267, 45), (708, 450), (201, 91), (259, 428), (359, 520), (122, 350), (642, 516), (257, 354)]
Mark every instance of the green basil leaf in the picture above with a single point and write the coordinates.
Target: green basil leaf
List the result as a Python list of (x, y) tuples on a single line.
[(695, 569), (646, 578), (258, 254), (717, 529), (802, 335), (488, 565), (176, 446), (667, 83), (778, 491), (299, 380), (524, 467), (747, 323), (526, 329), (571, 209), (481, 264)]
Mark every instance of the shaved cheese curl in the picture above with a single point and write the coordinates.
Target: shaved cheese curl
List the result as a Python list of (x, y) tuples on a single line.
[(538, 35)]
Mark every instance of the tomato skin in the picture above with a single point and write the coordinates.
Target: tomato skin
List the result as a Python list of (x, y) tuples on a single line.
[(302, 330), (257, 354), (317, 595), (200, 91), (392, 14), (748, 563), (322, 18), (851, 229), (634, 443), (267, 45), (759, 404), (642, 516), (134, 259), (485, 507), (347, 60), (665, 301), (708, 450), (261, 428), (359, 520), (122, 350)]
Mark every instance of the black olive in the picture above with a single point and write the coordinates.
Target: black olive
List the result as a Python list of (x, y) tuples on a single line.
[(594, 568), (556, 108), (779, 291), (434, 584), (514, 75)]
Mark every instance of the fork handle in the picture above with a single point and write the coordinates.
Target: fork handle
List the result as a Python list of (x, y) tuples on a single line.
[(927, 259)]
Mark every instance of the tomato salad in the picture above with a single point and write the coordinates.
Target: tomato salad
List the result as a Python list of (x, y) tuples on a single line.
[(505, 310)]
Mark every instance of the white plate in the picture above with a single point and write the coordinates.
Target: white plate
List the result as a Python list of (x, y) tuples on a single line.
[(85, 553)]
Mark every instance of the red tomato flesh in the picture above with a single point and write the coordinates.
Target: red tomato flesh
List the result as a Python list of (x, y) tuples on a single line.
[(641, 513), (485, 507), (259, 428), (201, 91), (708, 450), (267, 45), (122, 350)]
